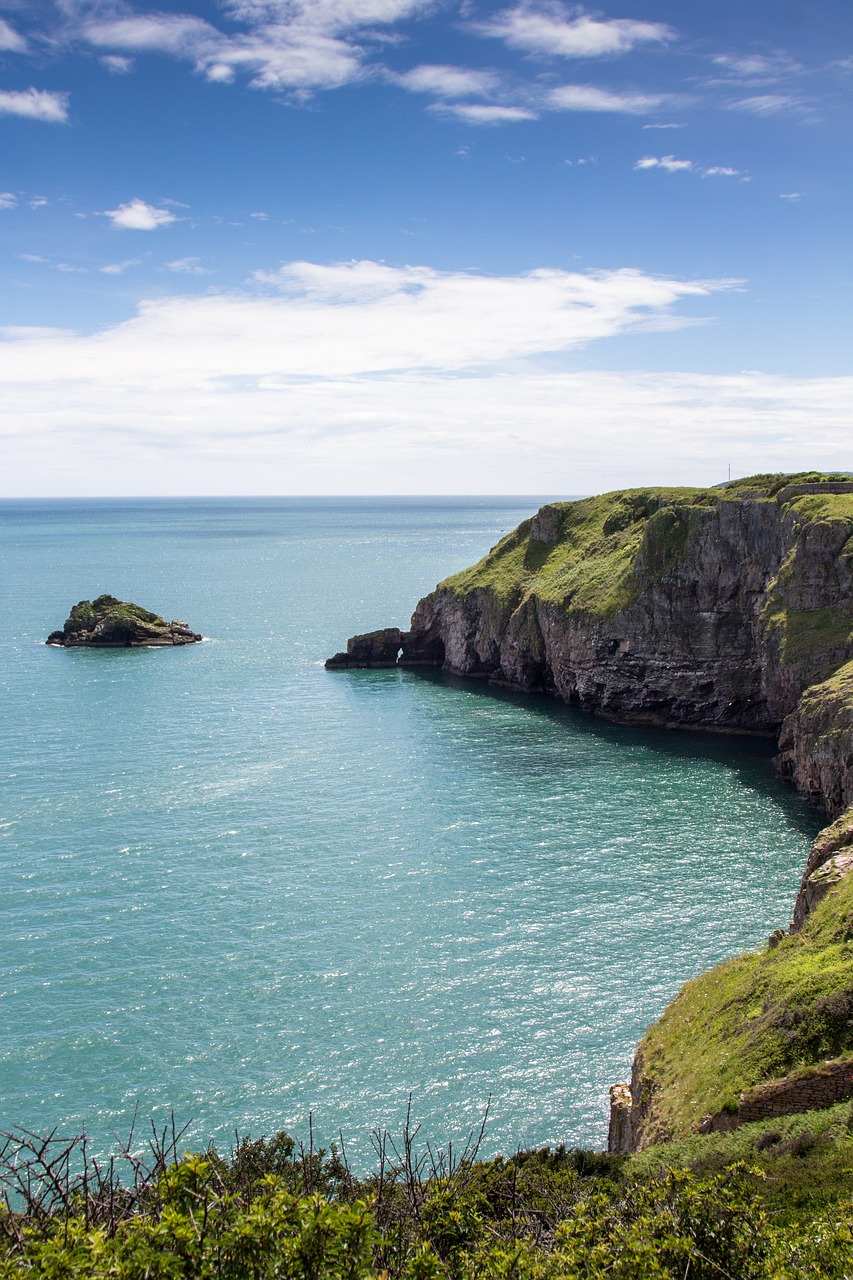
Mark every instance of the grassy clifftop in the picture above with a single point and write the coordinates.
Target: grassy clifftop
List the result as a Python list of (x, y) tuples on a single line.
[(589, 550), (597, 554)]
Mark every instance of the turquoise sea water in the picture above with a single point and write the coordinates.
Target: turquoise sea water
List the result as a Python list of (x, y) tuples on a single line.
[(244, 887)]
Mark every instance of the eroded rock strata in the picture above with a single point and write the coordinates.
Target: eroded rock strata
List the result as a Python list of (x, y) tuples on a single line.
[(108, 623), (726, 609)]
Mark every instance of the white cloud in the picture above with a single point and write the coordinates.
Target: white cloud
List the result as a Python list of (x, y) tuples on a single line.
[(187, 267), (556, 29), (10, 41), (298, 45), (447, 82), (356, 319), (154, 33), (664, 126), (118, 268), (117, 64), (757, 68), (793, 196), (139, 216), (369, 378), (670, 164), (588, 97), (35, 104), (8, 200), (667, 163), (477, 113)]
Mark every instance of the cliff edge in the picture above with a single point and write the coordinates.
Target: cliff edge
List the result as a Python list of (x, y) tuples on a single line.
[(727, 609)]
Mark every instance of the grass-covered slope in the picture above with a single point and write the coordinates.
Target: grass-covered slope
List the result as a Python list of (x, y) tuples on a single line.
[(597, 554), (805, 1161), (589, 561), (753, 1019)]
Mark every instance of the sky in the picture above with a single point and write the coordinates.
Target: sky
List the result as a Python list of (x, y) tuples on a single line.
[(422, 246)]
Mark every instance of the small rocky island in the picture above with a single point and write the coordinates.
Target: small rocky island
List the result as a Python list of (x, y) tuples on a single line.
[(108, 623)]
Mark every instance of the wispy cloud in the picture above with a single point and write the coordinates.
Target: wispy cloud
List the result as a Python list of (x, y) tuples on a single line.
[(671, 164), (8, 200), (10, 40), (136, 215), (485, 114), (756, 68), (588, 97), (447, 82), (118, 268), (769, 104), (557, 30), (117, 64), (668, 163), (187, 267), (35, 104)]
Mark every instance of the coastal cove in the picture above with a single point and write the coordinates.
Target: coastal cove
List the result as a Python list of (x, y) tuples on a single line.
[(247, 888)]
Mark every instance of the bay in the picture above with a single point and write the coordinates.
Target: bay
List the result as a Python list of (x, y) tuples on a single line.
[(242, 887)]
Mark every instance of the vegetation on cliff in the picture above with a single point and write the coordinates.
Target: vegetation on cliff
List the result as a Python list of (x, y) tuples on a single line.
[(274, 1209), (597, 554), (110, 623), (750, 1020)]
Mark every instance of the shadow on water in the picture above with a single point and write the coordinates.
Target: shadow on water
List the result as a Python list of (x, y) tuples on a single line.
[(749, 758)]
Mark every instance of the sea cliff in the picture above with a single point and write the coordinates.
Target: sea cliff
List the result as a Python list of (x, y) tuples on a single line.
[(727, 609)]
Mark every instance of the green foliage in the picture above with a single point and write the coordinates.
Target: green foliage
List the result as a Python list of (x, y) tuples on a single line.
[(806, 1160), (591, 566), (536, 1216), (610, 548)]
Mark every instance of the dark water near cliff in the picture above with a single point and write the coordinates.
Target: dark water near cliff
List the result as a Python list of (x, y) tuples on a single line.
[(243, 887)]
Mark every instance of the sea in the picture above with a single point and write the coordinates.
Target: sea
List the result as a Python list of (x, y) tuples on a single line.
[(261, 895)]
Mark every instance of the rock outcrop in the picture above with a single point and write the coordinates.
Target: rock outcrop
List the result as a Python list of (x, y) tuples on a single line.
[(374, 649), (108, 623)]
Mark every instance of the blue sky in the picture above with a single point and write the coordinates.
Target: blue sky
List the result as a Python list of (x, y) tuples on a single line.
[(402, 246)]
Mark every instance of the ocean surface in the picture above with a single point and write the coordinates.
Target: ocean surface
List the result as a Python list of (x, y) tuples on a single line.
[(242, 887)]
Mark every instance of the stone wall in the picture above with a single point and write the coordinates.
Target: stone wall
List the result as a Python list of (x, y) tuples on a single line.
[(820, 1087)]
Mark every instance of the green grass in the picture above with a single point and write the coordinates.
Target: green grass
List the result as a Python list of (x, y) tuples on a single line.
[(108, 607), (754, 1018), (603, 541), (806, 1160), (612, 547)]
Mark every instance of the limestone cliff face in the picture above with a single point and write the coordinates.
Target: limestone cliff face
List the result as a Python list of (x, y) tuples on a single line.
[(816, 743), (673, 607)]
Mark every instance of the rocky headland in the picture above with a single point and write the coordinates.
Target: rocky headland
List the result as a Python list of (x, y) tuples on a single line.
[(108, 623), (727, 609)]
